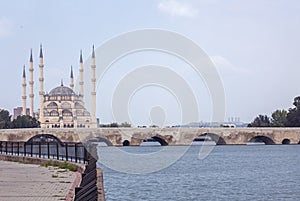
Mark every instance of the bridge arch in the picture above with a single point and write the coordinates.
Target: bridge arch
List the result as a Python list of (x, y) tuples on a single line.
[(158, 139), (262, 138), (99, 140), (126, 143), (44, 138), (286, 141), (214, 137)]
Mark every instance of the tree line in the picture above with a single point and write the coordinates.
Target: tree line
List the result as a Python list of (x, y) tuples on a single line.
[(280, 118), (116, 125), (24, 121)]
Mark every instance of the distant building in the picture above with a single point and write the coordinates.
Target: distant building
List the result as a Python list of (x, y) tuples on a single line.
[(19, 110), (213, 124), (228, 125), (62, 107), (234, 119)]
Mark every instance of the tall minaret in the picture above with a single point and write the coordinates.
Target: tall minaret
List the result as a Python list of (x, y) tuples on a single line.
[(72, 87), (24, 92), (31, 82), (72, 79), (81, 75), (93, 93), (41, 79)]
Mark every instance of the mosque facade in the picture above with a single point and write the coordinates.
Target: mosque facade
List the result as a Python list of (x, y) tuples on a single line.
[(62, 107)]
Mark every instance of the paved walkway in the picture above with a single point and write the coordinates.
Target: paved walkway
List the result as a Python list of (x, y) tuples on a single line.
[(22, 182)]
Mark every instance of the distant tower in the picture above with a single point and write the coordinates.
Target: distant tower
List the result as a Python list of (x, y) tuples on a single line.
[(24, 92), (41, 79), (93, 93), (81, 75), (72, 79), (72, 87), (31, 82)]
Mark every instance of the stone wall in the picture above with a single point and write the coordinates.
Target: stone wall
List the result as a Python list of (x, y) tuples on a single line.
[(172, 136)]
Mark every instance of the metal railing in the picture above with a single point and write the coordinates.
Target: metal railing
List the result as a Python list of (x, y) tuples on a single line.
[(88, 191), (73, 152)]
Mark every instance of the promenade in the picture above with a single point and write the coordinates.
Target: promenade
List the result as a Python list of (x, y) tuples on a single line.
[(22, 182)]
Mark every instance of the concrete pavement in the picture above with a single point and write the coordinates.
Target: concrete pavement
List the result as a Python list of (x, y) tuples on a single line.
[(24, 182)]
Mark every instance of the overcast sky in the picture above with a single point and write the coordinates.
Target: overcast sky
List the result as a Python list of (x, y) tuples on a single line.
[(254, 45)]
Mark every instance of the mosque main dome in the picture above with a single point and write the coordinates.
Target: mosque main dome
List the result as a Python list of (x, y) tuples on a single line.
[(61, 91)]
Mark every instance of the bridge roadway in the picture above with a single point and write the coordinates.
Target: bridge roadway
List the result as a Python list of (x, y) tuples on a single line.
[(166, 136)]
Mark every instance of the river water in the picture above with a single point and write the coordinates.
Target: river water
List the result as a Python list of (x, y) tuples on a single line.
[(266, 172)]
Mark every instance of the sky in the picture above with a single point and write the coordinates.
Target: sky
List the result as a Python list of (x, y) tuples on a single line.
[(253, 44)]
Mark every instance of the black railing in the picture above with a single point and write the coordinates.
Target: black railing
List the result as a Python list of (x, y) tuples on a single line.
[(88, 189), (73, 152)]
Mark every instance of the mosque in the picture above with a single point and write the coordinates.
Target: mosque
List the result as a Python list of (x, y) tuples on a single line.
[(62, 107)]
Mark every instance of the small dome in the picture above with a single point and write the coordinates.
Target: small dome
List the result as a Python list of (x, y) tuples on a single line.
[(61, 91)]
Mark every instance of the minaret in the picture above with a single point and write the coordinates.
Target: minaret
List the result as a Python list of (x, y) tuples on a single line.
[(72, 79), (72, 87), (93, 93), (24, 92), (41, 79), (31, 82), (81, 75)]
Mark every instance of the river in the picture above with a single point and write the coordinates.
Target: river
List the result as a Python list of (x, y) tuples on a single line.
[(265, 172)]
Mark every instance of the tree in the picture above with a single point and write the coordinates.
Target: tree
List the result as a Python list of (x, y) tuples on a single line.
[(25, 121), (279, 118), (293, 116), (114, 125), (5, 121), (125, 124), (296, 102), (260, 121)]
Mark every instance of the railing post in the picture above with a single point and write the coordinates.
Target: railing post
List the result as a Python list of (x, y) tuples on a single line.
[(12, 148), (6, 147), (18, 148), (57, 151), (25, 148), (31, 149), (85, 155), (40, 149), (75, 147), (48, 150), (66, 146)]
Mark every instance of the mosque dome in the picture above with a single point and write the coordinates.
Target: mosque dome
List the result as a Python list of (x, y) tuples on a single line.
[(61, 91)]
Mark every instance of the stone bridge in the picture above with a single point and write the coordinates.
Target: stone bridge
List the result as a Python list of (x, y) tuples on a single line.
[(166, 136)]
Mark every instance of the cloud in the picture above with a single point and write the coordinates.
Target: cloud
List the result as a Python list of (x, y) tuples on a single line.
[(6, 27), (177, 8)]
